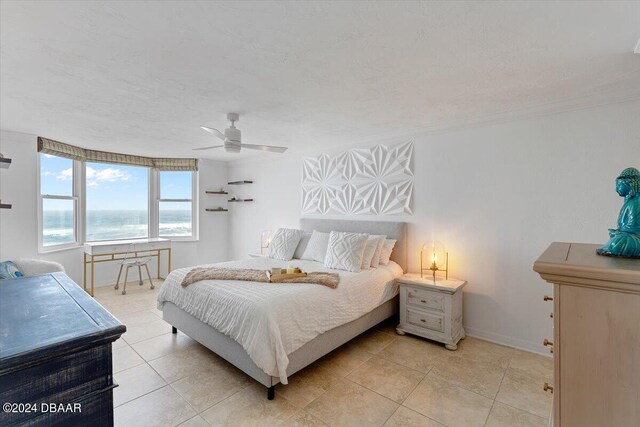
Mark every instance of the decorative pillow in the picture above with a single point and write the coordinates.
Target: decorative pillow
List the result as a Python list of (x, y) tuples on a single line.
[(284, 243), (8, 270), (345, 251), (385, 253), (370, 251), (375, 261), (304, 241), (317, 248)]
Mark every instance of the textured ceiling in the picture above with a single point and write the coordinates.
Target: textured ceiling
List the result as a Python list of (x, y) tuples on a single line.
[(141, 77)]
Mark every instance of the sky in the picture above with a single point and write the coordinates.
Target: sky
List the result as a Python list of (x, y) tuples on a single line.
[(111, 187)]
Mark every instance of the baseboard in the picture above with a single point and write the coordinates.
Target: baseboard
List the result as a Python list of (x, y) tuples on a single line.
[(532, 347)]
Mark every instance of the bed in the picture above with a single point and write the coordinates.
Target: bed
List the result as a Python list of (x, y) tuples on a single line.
[(271, 331)]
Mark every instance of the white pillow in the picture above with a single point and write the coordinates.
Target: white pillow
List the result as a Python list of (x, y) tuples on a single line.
[(370, 251), (345, 251), (302, 245), (284, 243), (375, 261), (317, 247), (385, 253)]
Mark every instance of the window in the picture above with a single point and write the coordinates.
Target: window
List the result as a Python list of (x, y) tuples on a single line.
[(175, 204), (58, 204), (84, 201), (117, 202)]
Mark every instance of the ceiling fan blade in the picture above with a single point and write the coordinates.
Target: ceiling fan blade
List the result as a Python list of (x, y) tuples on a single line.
[(208, 148), (271, 148), (216, 132)]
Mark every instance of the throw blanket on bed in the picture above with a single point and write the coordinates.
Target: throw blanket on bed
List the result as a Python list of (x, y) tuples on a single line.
[(198, 274)]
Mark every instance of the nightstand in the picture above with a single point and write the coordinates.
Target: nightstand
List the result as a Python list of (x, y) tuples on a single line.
[(431, 309)]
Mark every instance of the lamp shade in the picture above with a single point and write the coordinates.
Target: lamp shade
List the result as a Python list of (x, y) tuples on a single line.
[(265, 241), (265, 238), (434, 255)]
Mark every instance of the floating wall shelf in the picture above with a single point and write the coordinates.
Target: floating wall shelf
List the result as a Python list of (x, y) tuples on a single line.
[(216, 192), (240, 182), (240, 200), (4, 164), (217, 210)]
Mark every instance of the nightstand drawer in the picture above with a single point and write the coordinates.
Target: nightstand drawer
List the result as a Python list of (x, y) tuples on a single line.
[(425, 299), (432, 321)]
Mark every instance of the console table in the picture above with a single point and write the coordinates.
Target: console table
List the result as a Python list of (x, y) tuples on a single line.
[(116, 250), (55, 349)]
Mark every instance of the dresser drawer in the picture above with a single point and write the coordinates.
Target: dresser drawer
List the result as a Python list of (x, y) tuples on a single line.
[(432, 321), (424, 299), (62, 379)]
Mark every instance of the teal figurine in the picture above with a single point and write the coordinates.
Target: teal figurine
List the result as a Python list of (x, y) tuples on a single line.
[(625, 240)]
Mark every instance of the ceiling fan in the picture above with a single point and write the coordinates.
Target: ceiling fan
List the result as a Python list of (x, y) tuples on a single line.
[(233, 139)]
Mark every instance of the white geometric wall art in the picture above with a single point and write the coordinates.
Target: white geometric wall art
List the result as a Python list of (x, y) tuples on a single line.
[(364, 181)]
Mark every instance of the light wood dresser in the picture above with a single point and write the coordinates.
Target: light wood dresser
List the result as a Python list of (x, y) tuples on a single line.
[(431, 309), (596, 339)]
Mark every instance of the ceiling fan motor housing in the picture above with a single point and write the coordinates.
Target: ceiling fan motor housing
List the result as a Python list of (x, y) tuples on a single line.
[(233, 134), (233, 137)]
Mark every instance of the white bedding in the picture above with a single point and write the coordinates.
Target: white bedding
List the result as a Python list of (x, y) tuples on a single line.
[(271, 320)]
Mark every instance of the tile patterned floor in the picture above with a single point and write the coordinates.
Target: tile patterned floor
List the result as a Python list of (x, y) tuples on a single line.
[(377, 379)]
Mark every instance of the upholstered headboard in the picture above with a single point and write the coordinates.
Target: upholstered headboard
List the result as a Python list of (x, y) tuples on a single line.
[(393, 230)]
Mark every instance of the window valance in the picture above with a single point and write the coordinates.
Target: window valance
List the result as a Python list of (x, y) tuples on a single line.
[(60, 149)]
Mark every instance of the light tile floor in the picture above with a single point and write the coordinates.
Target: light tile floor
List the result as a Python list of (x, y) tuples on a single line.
[(377, 379)]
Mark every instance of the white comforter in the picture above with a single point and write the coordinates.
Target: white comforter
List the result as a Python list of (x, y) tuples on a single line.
[(270, 320)]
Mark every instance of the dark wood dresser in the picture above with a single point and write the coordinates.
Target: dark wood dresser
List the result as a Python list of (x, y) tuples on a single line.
[(55, 354)]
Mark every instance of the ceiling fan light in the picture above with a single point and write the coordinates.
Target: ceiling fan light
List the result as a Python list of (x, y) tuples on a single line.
[(232, 148)]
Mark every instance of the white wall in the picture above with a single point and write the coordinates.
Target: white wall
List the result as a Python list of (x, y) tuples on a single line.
[(18, 226), (496, 196)]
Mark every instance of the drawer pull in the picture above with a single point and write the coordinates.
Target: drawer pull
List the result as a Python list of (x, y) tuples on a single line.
[(548, 298), (547, 387), (546, 342), (424, 301), (551, 315), (423, 321)]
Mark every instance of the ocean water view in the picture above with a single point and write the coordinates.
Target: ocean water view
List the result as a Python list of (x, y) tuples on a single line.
[(113, 224)]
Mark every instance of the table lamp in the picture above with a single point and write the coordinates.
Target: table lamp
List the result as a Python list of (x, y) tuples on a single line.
[(434, 257), (265, 241)]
